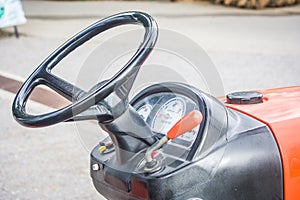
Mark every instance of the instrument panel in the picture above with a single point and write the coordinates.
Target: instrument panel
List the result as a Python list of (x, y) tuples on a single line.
[(161, 110)]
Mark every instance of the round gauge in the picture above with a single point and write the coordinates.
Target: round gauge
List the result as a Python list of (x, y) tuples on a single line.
[(144, 111), (162, 105), (168, 114)]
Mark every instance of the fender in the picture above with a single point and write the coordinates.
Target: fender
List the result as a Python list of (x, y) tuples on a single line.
[(280, 110)]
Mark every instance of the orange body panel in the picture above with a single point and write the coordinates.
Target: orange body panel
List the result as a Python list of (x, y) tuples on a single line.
[(280, 110)]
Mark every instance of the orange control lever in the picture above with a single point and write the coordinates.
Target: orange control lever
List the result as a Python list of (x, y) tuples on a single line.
[(185, 124)]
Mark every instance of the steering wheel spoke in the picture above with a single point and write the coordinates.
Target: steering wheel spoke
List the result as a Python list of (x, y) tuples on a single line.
[(62, 87), (96, 112)]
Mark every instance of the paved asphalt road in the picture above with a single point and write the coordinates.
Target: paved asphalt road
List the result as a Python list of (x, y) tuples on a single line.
[(250, 50)]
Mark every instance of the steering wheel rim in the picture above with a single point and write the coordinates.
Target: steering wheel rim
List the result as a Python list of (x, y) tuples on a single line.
[(43, 76)]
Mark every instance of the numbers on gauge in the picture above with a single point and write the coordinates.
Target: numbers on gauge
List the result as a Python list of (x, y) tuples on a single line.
[(168, 114), (145, 111)]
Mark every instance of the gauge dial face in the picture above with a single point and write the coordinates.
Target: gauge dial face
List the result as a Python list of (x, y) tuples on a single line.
[(144, 111), (168, 114)]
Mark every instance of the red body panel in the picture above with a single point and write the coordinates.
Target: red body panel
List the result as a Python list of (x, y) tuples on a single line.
[(280, 110)]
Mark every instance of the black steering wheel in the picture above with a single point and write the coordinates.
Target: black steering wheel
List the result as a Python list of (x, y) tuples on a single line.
[(83, 101)]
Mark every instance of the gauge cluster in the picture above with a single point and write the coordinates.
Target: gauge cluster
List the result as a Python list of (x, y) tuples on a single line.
[(161, 109)]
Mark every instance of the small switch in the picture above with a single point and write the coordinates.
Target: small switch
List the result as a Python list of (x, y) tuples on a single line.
[(102, 149), (108, 144)]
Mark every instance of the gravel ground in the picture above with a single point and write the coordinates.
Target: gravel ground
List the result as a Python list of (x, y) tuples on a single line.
[(47, 163)]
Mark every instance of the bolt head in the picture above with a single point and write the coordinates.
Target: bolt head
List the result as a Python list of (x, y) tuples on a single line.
[(96, 167)]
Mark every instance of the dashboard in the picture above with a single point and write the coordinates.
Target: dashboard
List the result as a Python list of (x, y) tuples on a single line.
[(161, 106)]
